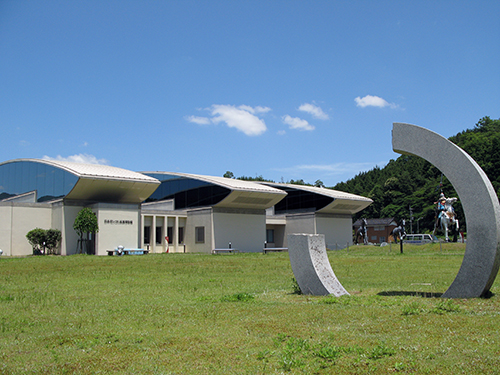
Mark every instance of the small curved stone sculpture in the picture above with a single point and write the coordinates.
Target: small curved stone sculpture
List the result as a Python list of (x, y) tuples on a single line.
[(479, 200), (311, 266)]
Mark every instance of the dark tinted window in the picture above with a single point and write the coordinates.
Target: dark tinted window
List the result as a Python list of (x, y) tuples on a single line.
[(187, 192), (24, 176), (301, 200)]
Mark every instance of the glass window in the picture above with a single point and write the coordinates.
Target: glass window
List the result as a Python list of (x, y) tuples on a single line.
[(147, 235), (181, 235), (159, 235), (187, 192), (21, 177), (301, 200), (270, 235), (199, 234), (170, 234)]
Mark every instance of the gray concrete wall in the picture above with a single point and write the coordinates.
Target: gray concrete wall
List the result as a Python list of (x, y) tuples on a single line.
[(337, 230), (245, 230), (200, 218), (300, 223), (17, 219), (118, 226)]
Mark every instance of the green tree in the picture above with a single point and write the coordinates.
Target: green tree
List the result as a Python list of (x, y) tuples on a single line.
[(256, 178), (297, 182), (412, 181), (85, 224), (319, 183), (228, 174)]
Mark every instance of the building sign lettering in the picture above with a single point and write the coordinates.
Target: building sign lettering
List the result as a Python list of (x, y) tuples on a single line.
[(122, 222)]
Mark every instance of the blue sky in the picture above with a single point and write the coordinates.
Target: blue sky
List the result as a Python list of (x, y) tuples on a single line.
[(284, 89)]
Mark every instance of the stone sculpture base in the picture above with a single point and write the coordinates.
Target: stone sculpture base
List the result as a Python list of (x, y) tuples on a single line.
[(311, 266)]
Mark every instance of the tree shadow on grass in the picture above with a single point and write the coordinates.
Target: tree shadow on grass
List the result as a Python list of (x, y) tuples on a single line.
[(392, 293)]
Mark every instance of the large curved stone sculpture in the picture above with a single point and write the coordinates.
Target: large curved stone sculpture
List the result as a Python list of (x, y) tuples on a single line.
[(479, 200), (311, 267)]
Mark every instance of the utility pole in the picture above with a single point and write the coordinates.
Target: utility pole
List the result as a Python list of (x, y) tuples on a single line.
[(411, 220), (418, 227)]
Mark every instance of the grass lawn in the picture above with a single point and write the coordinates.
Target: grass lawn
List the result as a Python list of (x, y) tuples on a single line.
[(237, 314)]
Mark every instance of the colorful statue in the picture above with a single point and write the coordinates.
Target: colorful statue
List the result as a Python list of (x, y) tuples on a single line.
[(446, 216)]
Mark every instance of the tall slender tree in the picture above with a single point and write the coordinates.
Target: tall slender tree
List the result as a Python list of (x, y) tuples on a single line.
[(85, 224)]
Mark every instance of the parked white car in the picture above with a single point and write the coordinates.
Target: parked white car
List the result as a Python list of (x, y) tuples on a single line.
[(419, 239)]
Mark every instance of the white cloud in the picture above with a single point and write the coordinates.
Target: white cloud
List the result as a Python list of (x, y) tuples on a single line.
[(297, 123), (333, 169), (79, 158), (336, 168), (243, 118), (373, 101), (314, 110), (199, 120), (239, 118), (260, 109), (257, 109)]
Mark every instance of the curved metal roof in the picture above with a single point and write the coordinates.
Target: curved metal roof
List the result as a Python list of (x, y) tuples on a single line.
[(337, 202), (240, 194), (101, 183), (96, 170)]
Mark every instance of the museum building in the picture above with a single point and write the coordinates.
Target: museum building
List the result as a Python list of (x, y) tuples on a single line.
[(162, 211)]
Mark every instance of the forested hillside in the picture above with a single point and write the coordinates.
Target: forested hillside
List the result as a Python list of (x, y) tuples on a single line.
[(410, 181)]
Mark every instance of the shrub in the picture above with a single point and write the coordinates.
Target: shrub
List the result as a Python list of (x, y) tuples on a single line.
[(52, 239), (44, 241), (36, 238)]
